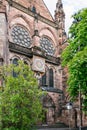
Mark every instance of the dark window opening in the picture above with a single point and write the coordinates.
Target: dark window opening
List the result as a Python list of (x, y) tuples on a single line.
[(33, 9), (51, 79), (15, 61), (44, 80)]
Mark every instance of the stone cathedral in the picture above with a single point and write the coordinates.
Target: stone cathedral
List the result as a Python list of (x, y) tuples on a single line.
[(28, 32)]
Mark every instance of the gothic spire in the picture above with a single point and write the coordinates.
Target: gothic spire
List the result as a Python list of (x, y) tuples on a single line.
[(60, 21), (59, 12), (59, 6)]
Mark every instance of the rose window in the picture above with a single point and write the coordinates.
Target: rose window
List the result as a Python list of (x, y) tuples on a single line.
[(47, 46), (20, 36)]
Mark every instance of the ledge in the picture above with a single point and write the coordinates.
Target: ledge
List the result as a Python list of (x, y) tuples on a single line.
[(20, 49), (37, 51), (50, 89)]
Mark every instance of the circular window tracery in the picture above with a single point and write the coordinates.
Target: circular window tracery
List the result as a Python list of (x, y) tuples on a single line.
[(20, 36), (47, 45)]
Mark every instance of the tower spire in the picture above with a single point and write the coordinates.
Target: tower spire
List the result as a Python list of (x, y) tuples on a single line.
[(59, 5), (60, 22), (59, 12)]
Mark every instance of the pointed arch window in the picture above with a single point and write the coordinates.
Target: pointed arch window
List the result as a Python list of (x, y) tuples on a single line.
[(48, 78), (51, 78), (15, 62)]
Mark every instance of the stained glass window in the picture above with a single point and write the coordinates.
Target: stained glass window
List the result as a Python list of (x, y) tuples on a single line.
[(47, 45), (20, 36)]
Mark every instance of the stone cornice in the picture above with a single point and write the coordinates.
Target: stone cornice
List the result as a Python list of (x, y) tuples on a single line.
[(29, 52), (20, 50), (29, 12)]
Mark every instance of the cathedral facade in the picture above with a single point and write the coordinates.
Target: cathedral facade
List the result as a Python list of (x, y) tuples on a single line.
[(28, 32)]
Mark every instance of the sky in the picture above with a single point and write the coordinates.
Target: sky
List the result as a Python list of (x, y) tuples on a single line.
[(70, 7)]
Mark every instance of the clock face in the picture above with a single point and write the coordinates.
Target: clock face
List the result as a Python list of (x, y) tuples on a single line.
[(20, 36), (46, 45), (39, 64)]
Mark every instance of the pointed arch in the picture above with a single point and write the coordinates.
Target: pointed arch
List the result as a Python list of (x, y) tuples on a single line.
[(22, 17), (48, 101), (23, 22), (27, 61), (15, 56), (50, 34)]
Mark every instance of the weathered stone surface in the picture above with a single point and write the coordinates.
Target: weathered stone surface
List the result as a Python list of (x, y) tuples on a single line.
[(39, 24), (2, 33)]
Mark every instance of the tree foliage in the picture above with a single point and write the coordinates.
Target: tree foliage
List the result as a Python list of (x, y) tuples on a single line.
[(75, 56), (20, 104)]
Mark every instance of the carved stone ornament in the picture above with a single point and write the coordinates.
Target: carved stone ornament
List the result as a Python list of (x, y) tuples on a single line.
[(20, 36)]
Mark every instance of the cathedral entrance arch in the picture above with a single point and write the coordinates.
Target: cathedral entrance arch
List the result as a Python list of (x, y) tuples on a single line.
[(49, 110)]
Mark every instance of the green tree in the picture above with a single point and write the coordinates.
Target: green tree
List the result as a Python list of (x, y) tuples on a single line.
[(74, 57), (20, 101)]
